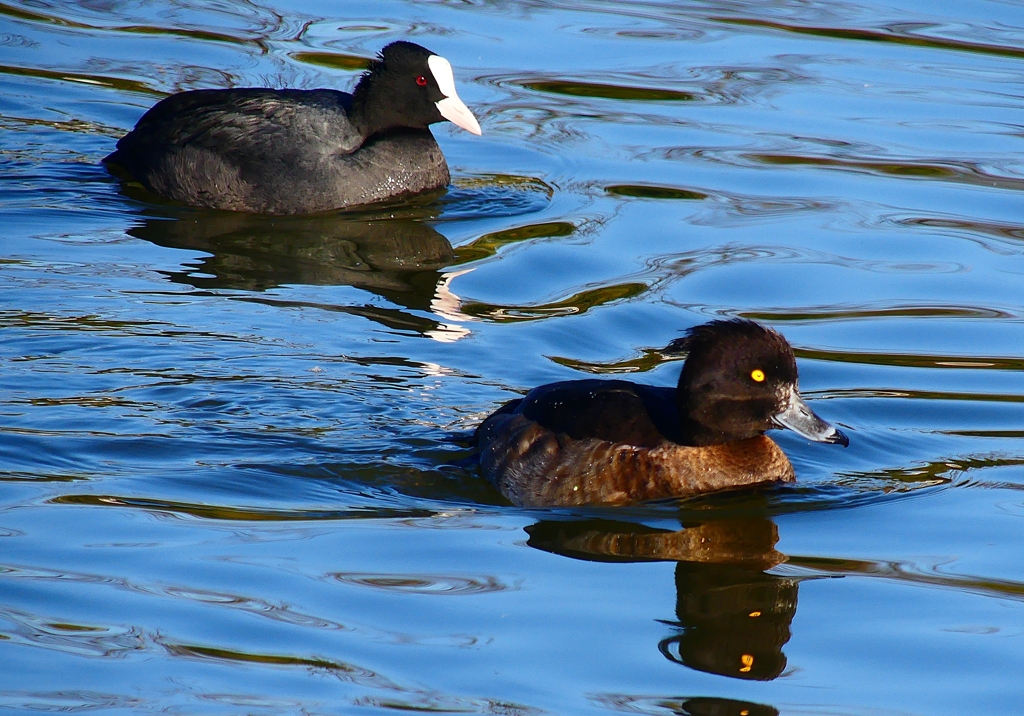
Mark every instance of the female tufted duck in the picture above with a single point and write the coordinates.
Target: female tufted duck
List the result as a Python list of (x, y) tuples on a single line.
[(612, 442), (300, 151)]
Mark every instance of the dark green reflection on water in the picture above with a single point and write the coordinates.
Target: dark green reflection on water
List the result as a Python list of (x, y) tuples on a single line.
[(489, 244), (239, 514), (962, 172), (732, 618), (209, 652), (649, 359), (896, 33), (648, 191), (334, 60), (904, 311), (911, 360), (100, 80), (576, 88), (580, 302)]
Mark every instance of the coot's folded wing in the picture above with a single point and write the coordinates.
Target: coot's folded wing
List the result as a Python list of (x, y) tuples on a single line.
[(242, 124)]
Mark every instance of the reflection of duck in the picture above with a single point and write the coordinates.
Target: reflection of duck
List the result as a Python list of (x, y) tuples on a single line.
[(733, 618), (612, 441), (299, 152), (732, 621), (717, 706), (747, 543), (401, 260)]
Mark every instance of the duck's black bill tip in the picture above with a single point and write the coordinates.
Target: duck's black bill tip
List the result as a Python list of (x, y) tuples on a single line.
[(838, 438), (798, 417)]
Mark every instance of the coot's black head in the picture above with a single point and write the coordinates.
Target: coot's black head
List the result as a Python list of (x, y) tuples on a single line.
[(408, 86), (740, 380)]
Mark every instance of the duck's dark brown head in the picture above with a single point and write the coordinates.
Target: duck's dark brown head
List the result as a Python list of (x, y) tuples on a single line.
[(740, 380)]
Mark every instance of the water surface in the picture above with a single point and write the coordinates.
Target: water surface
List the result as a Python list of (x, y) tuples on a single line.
[(231, 474)]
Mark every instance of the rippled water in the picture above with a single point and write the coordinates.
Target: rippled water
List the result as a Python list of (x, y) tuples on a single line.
[(230, 447)]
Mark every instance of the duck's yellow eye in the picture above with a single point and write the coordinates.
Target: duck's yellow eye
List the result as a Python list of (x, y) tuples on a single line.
[(757, 375)]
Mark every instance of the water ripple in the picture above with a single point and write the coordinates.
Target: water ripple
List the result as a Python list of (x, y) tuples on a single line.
[(578, 303), (345, 671), (670, 84), (78, 639), (67, 701), (650, 358), (1007, 234), (242, 514), (930, 575), (444, 585), (261, 28), (398, 696), (495, 195)]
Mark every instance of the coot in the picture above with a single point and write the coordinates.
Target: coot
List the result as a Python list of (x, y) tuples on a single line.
[(300, 151)]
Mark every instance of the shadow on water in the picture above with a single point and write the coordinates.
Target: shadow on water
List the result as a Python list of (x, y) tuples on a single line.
[(732, 618)]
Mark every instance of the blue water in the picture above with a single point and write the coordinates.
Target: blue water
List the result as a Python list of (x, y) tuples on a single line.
[(231, 474)]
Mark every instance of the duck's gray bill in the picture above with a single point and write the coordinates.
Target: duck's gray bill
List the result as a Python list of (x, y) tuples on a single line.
[(798, 417)]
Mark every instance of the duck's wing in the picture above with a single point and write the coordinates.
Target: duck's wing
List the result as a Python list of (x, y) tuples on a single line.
[(615, 411)]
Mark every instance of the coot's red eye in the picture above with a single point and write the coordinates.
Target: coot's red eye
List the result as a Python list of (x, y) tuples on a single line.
[(421, 81)]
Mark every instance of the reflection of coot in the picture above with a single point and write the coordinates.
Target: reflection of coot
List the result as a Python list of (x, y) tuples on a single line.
[(399, 259), (734, 618), (256, 253)]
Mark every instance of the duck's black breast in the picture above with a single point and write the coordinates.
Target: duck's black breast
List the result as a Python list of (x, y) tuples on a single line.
[(614, 411), (273, 151)]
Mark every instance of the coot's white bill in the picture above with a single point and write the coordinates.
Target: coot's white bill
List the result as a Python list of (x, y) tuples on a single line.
[(451, 107)]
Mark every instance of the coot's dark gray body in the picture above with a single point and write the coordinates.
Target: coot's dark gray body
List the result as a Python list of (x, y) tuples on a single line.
[(300, 151)]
